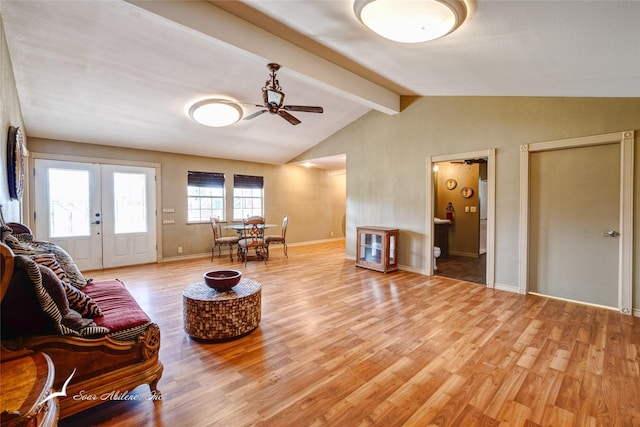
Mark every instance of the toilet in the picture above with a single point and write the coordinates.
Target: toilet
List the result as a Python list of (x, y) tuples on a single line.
[(436, 254)]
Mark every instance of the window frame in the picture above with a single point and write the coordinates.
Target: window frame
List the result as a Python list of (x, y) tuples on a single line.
[(253, 188), (203, 182)]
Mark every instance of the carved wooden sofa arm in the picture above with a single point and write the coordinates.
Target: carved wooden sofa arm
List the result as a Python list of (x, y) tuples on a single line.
[(103, 366)]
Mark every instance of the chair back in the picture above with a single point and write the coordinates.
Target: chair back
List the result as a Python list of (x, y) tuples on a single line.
[(215, 227), (254, 231), (285, 223)]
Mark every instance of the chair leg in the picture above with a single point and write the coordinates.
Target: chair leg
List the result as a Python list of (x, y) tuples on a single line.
[(285, 250), (231, 252), (213, 248)]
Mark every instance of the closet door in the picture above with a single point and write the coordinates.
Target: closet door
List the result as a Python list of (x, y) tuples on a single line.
[(574, 204)]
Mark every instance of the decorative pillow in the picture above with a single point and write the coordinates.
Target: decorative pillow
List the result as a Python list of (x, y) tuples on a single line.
[(81, 302), (47, 302), (24, 237), (18, 247), (54, 288), (5, 231), (21, 313), (75, 321), (64, 259), (49, 261)]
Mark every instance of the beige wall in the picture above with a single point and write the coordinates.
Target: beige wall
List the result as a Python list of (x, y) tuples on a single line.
[(10, 115), (314, 199), (386, 165)]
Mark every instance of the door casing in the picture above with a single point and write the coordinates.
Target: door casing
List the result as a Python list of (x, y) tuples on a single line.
[(625, 265), (490, 154), (84, 159)]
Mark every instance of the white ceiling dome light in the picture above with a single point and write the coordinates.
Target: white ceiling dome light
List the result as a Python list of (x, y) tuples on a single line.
[(411, 21), (215, 112)]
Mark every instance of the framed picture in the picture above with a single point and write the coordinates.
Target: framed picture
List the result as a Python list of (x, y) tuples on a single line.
[(15, 162), (451, 184), (466, 192)]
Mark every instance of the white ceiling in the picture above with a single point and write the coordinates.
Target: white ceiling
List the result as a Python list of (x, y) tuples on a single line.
[(123, 73)]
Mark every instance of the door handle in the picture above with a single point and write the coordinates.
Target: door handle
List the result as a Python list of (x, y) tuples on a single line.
[(95, 222), (611, 233)]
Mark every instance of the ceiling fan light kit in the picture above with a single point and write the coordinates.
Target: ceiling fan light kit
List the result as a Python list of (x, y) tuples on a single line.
[(215, 112), (411, 21)]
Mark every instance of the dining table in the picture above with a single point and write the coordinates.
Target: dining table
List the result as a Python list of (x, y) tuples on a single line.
[(239, 228)]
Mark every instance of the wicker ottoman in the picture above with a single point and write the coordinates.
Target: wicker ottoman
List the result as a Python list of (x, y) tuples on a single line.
[(213, 315)]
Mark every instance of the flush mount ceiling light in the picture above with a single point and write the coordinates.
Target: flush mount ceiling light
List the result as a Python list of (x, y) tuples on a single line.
[(411, 21), (215, 112)]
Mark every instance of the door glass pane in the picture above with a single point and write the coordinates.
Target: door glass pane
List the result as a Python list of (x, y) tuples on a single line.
[(69, 203), (130, 202)]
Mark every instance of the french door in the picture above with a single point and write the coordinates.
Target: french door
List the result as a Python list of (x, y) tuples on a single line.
[(103, 215)]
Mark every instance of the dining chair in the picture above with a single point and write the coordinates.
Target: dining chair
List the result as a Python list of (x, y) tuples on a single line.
[(219, 241), (279, 239), (253, 239)]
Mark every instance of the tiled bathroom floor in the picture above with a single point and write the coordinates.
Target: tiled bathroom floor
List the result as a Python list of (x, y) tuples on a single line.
[(463, 268)]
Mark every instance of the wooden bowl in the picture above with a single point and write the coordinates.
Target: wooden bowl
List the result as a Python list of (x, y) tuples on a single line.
[(222, 280)]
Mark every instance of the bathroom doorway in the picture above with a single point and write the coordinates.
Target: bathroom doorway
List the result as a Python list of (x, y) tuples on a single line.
[(462, 200)]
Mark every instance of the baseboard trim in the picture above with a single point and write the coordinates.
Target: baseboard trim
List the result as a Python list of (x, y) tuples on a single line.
[(506, 288), (574, 301), (467, 254), (225, 252)]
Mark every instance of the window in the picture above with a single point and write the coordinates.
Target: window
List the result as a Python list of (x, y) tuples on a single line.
[(205, 194), (247, 196)]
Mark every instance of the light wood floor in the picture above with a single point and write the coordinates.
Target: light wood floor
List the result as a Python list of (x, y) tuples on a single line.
[(343, 346)]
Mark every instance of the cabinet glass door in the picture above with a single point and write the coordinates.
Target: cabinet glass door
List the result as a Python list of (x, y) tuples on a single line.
[(370, 248)]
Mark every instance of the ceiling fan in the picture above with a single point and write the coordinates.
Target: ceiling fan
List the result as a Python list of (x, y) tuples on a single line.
[(273, 98)]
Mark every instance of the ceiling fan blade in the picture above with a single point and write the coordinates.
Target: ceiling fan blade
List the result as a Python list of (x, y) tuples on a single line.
[(304, 108), (254, 115), (288, 117)]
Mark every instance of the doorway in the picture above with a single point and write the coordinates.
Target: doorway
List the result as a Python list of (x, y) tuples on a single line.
[(576, 219), (460, 227), (103, 215), (461, 191)]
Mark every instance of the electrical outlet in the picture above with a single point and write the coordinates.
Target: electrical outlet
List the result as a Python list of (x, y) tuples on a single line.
[(473, 209), (179, 249), (332, 234)]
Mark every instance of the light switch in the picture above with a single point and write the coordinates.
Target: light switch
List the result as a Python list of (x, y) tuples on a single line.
[(466, 208)]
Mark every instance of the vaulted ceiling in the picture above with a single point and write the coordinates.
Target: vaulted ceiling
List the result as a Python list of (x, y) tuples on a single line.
[(124, 73)]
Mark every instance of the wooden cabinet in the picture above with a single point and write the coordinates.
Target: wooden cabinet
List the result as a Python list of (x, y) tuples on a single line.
[(377, 248), (26, 383)]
